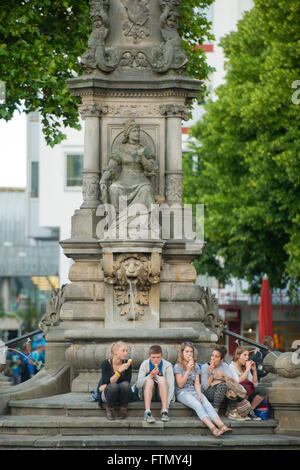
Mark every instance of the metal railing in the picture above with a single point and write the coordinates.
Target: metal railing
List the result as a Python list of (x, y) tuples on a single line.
[(246, 340), (20, 338)]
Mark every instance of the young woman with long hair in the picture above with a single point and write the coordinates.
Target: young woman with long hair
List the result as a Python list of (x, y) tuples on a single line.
[(188, 390), (244, 372), (114, 386), (214, 387)]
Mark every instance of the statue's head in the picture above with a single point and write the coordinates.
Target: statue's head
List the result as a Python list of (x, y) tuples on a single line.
[(132, 132), (172, 20), (97, 20)]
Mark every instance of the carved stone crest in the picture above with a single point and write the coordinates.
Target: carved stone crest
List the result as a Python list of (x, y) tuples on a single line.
[(136, 26)]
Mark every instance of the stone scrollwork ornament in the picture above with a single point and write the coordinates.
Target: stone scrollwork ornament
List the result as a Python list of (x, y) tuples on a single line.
[(54, 304), (212, 319), (98, 56), (136, 27), (170, 54)]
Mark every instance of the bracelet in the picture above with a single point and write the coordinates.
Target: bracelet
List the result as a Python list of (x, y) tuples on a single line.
[(117, 373)]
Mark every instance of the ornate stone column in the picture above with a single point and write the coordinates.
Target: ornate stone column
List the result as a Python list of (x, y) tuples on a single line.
[(91, 114), (174, 114)]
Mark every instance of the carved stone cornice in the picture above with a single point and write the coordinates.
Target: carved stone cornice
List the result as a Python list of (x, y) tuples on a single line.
[(94, 91), (175, 110), (92, 110)]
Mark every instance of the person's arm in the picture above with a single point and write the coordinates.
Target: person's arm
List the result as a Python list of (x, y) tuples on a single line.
[(182, 379), (198, 387), (254, 373), (106, 372), (142, 374), (207, 376), (128, 374), (244, 375), (171, 383)]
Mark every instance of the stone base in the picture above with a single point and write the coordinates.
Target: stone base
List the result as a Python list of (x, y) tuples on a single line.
[(284, 398)]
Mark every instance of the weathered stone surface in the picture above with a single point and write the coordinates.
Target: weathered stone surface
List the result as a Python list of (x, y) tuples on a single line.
[(184, 311), (284, 397), (86, 271), (89, 311), (182, 292), (178, 273)]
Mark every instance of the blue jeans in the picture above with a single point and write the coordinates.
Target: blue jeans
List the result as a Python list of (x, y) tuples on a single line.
[(203, 410)]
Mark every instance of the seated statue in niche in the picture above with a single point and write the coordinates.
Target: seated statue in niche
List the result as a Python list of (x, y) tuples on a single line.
[(137, 167), (97, 55), (170, 54)]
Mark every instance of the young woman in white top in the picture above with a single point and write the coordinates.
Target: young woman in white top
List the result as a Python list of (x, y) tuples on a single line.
[(243, 369)]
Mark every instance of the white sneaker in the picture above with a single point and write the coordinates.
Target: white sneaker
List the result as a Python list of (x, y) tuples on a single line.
[(148, 417), (234, 415), (253, 416), (165, 416)]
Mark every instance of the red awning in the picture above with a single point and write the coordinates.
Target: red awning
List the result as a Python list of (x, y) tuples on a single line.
[(265, 310)]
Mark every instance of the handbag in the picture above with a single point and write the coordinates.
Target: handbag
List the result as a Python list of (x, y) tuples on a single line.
[(248, 385), (234, 389), (243, 408)]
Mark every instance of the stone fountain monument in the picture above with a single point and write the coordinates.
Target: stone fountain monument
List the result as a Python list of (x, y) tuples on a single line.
[(132, 281), (136, 286)]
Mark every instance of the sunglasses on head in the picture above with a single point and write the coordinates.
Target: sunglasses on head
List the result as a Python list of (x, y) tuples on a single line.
[(187, 343)]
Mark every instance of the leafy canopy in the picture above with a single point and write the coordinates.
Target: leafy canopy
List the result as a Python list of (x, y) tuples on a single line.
[(247, 148), (40, 46)]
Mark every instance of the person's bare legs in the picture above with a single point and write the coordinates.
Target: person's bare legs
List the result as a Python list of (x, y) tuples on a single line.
[(148, 393), (163, 392), (222, 427), (256, 401), (213, 429)]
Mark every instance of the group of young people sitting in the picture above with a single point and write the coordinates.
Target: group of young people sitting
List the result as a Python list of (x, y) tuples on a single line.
[(205, 389)]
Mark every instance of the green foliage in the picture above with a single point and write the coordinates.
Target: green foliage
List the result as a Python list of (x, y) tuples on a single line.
[(248, 145), (40, 46)]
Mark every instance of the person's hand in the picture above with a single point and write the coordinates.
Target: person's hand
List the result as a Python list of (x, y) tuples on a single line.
[(190, 366), (124, 367), (253, 366), (102, 388), (248, 365), (200, 397), (212, 368), (154, 373)]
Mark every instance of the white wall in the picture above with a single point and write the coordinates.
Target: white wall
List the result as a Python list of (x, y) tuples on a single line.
[(227, 13), (57, 202)]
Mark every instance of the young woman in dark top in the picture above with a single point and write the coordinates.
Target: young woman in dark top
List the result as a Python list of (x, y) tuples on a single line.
[(114, 385)]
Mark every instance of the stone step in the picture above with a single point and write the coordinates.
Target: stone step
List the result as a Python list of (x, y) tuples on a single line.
[(82, 405), (149, 443), (72, 426)]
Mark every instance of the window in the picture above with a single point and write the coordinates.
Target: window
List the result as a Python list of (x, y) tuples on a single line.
[(34, 190), (74, 170)]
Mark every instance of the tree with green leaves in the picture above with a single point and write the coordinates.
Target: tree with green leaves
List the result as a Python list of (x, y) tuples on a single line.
[(248, 152), (40, 46)]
